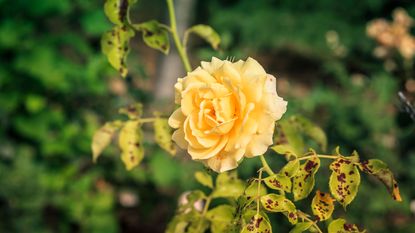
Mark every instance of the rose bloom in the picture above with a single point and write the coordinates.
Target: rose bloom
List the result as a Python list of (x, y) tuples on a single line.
[(227, 111)]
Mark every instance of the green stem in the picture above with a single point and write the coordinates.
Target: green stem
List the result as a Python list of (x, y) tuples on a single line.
[(320, 156), (205, 209), (304, 216), (258, 190), (266, 166), (179, 46)]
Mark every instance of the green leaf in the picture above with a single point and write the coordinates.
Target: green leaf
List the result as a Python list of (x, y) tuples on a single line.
[(130, 142), (204, 179), (340, 226), (344, 180), (163, 135), (155, 35), (102, 138), (292, 134), (115, 45), (301, 227), (303, 181), (291, 168), (228, 185), (322, 205), (285, 149), (257, 224), (221, 218), (380, 170), (313, 131), (206, 32), (279, 182), (117, 11), (279, 203), (133, 111)]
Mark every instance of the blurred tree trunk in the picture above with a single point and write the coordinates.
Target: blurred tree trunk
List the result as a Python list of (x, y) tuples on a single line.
[(171, 66)]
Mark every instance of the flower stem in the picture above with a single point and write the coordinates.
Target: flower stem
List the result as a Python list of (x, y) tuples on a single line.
[(179, 46), (205, 209), (320, 156), (266, 166)]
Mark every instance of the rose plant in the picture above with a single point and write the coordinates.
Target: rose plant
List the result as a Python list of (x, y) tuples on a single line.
[(227, 111)]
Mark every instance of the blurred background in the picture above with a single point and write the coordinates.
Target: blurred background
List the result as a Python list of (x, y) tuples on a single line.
[(57, 88)]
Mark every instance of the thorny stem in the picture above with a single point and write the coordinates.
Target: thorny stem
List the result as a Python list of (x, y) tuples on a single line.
[(179, 46), (266, 166), (304, 216), (320, 156)]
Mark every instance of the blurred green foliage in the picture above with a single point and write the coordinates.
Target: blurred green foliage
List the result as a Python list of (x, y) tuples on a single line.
[(54, 94)]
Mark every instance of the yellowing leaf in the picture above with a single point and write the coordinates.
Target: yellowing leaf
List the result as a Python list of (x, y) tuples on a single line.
[(117, 10), (102, 138), (228, 185), (301, 227), (303, 181), (322, 205), (279, 182), (284, 149), (340, 226), (206, 32), (380, 170), (163, 135), (115, 45), (221, 218), (291, 168), (155, 35), (257, 224), (204, 178), (344, 180), (291, 133), (279, 203), (252, 190), (130, 142)]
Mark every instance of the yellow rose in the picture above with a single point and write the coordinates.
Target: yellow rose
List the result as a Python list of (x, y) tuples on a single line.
[(227, 111)]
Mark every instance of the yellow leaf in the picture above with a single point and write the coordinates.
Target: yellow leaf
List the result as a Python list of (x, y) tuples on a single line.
[(102, 138), (303, 181), (163, 135), (130, 142)]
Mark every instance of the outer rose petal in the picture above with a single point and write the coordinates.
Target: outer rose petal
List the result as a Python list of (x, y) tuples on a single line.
[(228, 111)]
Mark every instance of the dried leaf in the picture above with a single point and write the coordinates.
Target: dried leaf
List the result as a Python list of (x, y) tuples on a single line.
[(322, 205), (380, 170)]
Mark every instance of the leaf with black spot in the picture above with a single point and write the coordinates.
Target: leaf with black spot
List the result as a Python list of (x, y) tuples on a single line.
[(291, 168), (279, 203), (117, 11), (131, 145), (133, 111), (322, 205), (257, 224), (303, 181), (155, 35), (344, 180), (340, 226), (380, 170), (115, 45), (279, 182)]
